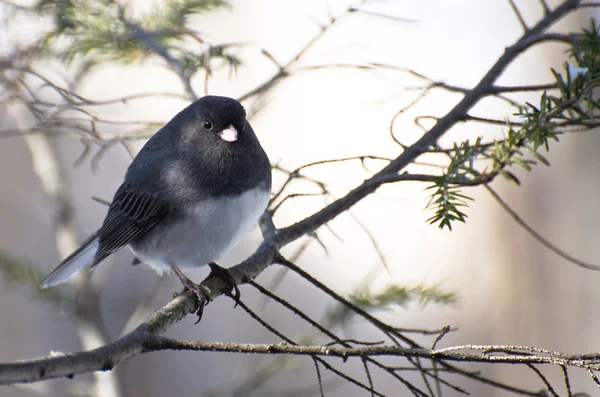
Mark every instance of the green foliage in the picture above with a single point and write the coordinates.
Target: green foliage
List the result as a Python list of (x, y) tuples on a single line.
[(175, 14), (16, 273), (586, 48), (572, 103), (447, 199), (393, 295), (402, 296), (102, 31)]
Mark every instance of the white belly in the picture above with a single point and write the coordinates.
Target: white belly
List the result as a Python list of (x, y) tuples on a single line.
[(208, 231)]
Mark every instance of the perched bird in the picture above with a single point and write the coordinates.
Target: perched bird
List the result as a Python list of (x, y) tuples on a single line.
[(193, 191)]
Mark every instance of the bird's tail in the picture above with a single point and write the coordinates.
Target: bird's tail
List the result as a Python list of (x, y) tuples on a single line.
[(84, 255)]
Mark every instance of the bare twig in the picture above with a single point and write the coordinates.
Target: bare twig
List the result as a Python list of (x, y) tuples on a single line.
[(368, 372), (145, 340), (284, 70), (565, 373), (319, 377), (538, 236), (544, 379), (518, 14), (545, 6)]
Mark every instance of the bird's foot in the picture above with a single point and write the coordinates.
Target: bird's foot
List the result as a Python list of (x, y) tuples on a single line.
[(202, 295), (197, 289), (225, 275)]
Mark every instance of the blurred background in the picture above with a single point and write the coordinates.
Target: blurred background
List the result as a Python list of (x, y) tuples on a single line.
[(511, 289)]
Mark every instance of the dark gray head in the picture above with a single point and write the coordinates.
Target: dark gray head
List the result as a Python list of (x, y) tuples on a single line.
[(208, 148), (211, 121)]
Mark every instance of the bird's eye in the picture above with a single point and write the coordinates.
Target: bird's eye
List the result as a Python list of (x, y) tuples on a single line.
[(208, 125)]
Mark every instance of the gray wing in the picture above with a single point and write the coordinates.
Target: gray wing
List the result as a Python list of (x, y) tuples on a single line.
[(131, 214)]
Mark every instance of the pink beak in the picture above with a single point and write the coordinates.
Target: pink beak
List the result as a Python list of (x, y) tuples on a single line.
[(229, 134)]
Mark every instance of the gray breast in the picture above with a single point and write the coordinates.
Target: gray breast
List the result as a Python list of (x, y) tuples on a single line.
[(202, 233)]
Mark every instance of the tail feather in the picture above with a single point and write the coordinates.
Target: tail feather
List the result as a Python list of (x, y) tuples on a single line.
[(84, 256)]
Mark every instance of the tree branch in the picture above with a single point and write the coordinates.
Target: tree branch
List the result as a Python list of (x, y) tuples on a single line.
[(142, 340)]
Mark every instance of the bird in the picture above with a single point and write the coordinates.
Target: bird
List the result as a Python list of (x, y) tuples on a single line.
[(192, 192)]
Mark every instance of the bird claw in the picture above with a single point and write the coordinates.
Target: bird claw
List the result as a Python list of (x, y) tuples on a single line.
[(197, 289), (202, 296), (202, 292), (225, 275)]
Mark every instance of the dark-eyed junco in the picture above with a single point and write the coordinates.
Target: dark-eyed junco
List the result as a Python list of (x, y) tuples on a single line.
[(193, 191)]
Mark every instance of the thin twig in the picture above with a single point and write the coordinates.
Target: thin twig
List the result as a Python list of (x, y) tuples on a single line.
[(290, 342), (519, 15), (283, 70), (544, 379), (331, 335), (565, 373), (319, 376), (538, 236)]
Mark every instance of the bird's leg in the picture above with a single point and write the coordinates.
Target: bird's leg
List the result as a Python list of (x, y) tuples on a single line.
[(225, 275), (197, 289)]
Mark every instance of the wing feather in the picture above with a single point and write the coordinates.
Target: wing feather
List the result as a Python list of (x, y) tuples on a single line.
[(132, 213)]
